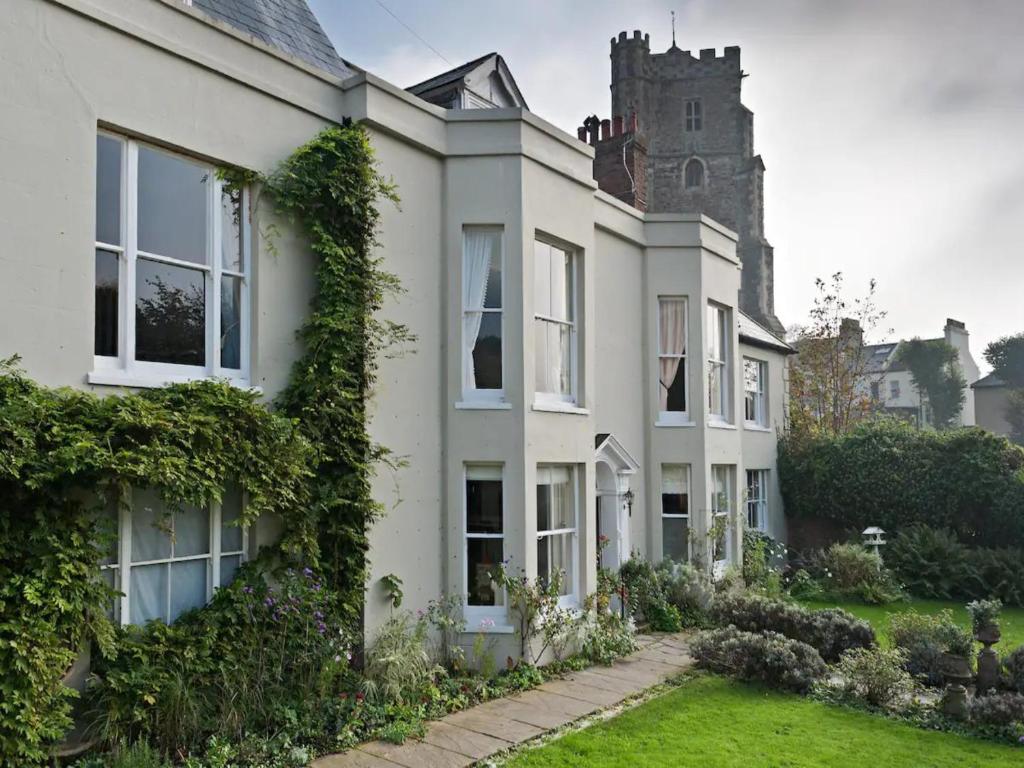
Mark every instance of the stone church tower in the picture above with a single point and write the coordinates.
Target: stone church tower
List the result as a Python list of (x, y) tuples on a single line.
[(700, 149)]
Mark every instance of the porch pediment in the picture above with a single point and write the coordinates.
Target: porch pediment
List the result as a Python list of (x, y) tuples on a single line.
[(608, 449)]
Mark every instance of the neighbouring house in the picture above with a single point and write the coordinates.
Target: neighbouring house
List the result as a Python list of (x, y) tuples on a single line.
[(888, 383), (583, 367), (991, 401)]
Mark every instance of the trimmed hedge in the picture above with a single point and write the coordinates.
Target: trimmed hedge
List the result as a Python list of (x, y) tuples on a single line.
[(935, 564), (893, 475), (766, 656), (830, 632)]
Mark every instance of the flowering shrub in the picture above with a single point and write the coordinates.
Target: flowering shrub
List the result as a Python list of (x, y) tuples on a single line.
[(765, 656), (646, 598), (877, 675), (830, 632), (688, 589), (851, 572), (1014, 666), (262, 652)]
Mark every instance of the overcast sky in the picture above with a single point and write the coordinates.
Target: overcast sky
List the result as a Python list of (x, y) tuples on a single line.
[(892, 130)]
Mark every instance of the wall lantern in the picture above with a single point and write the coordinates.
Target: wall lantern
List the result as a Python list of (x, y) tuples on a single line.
[(874, 539), (628, 498)]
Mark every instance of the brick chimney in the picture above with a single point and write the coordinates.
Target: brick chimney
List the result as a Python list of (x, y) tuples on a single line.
[(620, 158)]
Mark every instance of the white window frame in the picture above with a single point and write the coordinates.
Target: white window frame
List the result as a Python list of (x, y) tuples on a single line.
[(570, 600), (716, 511), (719, 320), (758, 506), (474, 614), (760, 420), (123, 369), (894, 389), (483, 396), (689, 506), (694, 111), (558, 398), (675, 418), (122, 567)]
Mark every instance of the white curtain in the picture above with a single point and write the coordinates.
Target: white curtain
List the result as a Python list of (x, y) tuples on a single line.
[(478, 246), (671, 323)]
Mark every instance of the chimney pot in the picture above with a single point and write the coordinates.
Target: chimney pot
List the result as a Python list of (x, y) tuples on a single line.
[(606, 129), (617, 125)]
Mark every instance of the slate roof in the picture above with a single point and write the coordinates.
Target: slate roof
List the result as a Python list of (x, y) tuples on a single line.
[(451, 76), (985, 382), (754, 333), (288, 25), (455, 76)]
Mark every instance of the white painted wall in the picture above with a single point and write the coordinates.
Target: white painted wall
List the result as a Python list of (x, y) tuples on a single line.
[(172, 78)]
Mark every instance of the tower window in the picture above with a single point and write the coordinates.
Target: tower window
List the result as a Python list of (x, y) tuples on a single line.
[(694, 115), (693, 175)]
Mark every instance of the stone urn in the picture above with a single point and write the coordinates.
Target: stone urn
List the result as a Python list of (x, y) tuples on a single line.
[(957, 671), (988, 659)]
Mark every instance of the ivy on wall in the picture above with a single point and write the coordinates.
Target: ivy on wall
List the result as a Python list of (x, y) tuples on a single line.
[(64, 455)]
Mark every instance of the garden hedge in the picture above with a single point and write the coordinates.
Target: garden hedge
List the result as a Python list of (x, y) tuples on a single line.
[(893, 475)]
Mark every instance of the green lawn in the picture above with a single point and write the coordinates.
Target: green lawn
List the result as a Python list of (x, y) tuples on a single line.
[(712, 722), (1012, 621)]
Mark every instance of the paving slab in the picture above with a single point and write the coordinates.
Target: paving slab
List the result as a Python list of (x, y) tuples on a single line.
[(354, 758), (664, 656), (622, 685), (463, 740), (545, 718), (416, 754), (575, 689), (494, 724)]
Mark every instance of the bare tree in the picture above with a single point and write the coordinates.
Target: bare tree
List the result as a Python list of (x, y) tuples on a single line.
[(830, 380)]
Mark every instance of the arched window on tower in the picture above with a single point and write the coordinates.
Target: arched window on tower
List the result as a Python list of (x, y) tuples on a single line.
[(693, 175)]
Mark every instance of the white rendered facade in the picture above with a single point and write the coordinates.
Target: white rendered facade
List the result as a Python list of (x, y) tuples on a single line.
[(575, 440)]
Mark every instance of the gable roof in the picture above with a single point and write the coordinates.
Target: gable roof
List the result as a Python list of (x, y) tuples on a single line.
[(288, 25), (456, 77), (752, 332), (988, 382)]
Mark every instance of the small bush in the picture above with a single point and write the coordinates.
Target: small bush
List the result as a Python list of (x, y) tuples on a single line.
[(831, 632), (997, 709), (768, 657), (984, 613), (851, 572), (398, 664), (1014, 666), (607, 637), (645, 596), (876, 675), (689, 590), (924, 638)]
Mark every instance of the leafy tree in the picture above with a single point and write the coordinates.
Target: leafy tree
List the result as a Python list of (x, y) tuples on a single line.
[(829, 380), (935, 369), (1006, 356)]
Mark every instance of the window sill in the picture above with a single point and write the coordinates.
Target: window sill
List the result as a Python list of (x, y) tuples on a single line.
[(496, 629), (712, 424), (117, 378), (752, 427), (483, 405), (560, 408), (661, 423)]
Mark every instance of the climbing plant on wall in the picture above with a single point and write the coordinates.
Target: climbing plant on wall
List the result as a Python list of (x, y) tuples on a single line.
[(65, 455)]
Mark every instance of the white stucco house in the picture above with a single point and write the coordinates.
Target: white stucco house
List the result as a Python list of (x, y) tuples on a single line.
[(581, 368), (889, 384)]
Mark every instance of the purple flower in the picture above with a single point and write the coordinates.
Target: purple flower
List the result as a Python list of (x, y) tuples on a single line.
[(277, 615), (247, 589), (268, 601), (307, 572), (317, 615), (321, 627)]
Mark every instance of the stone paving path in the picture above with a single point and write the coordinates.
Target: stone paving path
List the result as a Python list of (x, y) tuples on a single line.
[(463, 738)]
